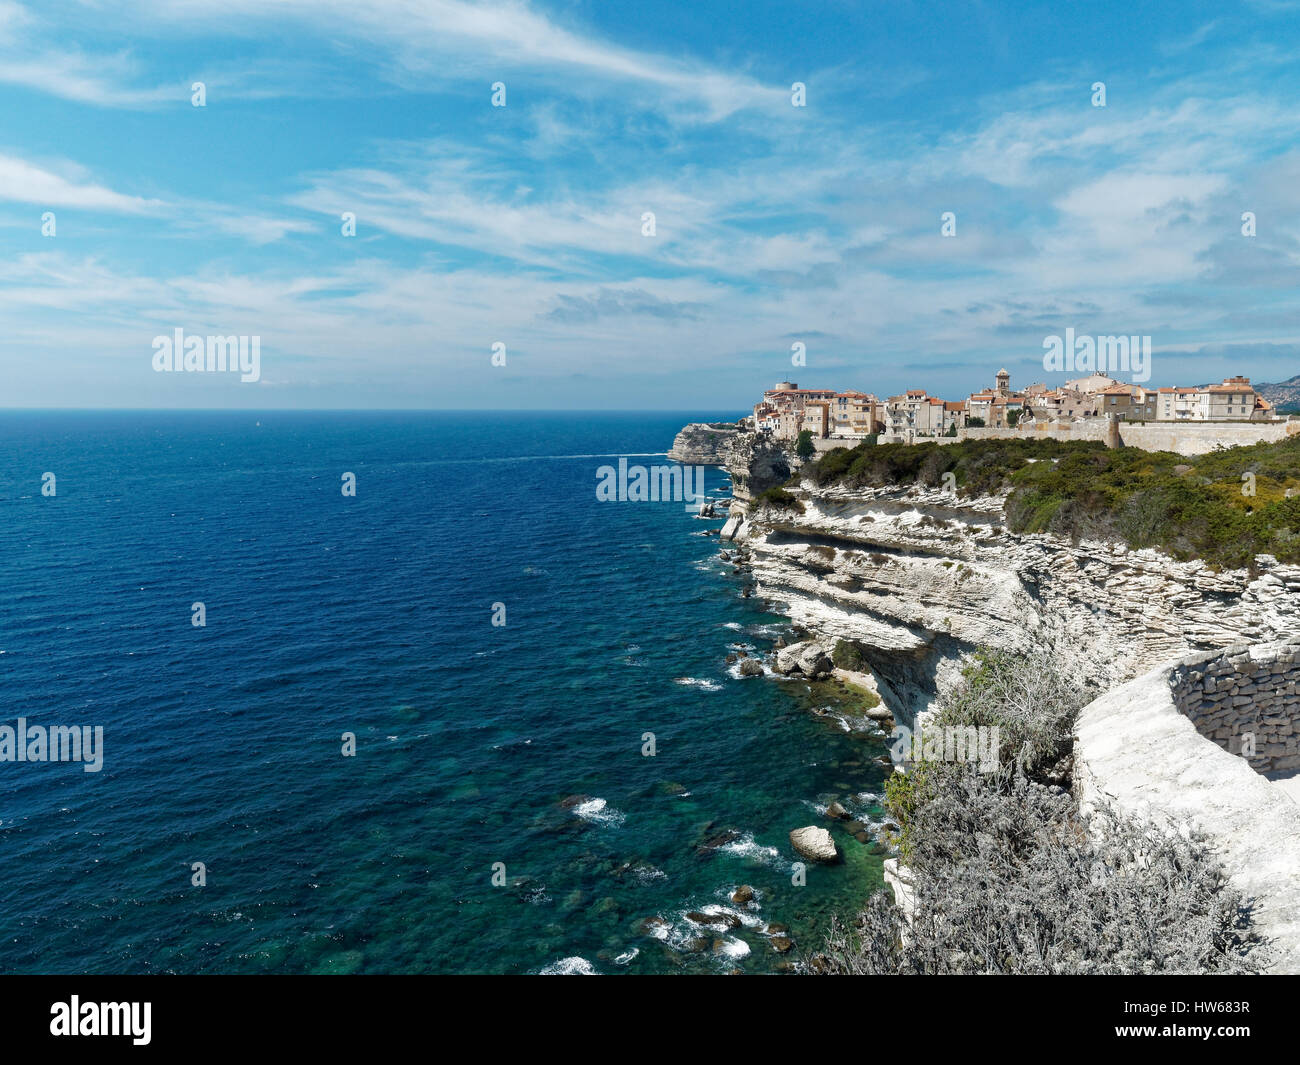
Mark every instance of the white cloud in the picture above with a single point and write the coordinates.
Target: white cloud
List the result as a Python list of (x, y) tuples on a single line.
[(427, 36), (25, 182)]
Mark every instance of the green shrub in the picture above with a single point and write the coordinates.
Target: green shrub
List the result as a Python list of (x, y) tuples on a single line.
[(1007, 876), (777, 498), (1126, 495)]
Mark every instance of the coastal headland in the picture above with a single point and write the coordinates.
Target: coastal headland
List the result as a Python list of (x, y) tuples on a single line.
[(910, 580)]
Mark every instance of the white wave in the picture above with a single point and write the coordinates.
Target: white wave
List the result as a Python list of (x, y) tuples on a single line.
[(627, 956), (734, 948), (699, 682), (537, 458), (599, 811), (745, 847), (574, 966), (749, 920), (733, 670), (661, 932), (735, 626), (743, 910)]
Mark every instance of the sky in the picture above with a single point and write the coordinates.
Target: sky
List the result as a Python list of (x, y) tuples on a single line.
[(128, 212)]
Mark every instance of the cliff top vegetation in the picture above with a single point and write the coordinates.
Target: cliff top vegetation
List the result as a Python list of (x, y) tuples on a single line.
[(1225, 507)]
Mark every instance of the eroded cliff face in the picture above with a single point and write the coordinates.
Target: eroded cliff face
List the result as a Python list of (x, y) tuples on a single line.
[(921, 578), (703, 444), (756, 462)]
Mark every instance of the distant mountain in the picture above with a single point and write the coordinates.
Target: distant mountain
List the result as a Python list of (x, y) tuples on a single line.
[(1284, 394)]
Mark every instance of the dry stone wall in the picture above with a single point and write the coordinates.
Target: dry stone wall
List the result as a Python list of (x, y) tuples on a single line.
[(1246, 700)]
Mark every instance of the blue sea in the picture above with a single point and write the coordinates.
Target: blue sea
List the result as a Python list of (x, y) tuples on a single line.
[(501, 813)]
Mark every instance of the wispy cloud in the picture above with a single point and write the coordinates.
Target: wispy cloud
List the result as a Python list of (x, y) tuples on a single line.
[(443, 39), (25, 182), (524, 224)]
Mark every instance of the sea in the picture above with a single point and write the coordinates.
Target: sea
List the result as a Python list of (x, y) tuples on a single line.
[(447, 710)]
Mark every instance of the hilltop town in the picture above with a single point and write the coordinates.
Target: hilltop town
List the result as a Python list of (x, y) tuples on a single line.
[(787, 410)]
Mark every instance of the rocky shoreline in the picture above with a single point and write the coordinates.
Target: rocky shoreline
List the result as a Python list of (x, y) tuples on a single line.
[(914, 580)]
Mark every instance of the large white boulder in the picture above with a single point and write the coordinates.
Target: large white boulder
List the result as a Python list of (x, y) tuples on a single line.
[(814, 843)]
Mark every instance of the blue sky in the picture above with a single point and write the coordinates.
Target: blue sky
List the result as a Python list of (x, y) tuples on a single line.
[(522, 224)]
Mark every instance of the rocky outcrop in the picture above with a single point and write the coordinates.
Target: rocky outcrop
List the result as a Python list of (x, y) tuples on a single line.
[(814, 843), (899, 880), (811, 658), (756, 462), (703, 443), (919, 578)]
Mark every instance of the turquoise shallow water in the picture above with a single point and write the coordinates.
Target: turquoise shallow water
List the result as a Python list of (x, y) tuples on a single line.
[(372, 615)]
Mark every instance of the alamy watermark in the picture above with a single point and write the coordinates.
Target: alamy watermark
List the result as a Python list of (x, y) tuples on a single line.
[(214, 354), (58, 743), (650, 484), (78, 1018), (947, 743), (1108, 354)]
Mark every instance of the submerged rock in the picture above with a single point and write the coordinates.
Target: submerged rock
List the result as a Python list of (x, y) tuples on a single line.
[(712, 843), (649, 926), (721, 919)]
